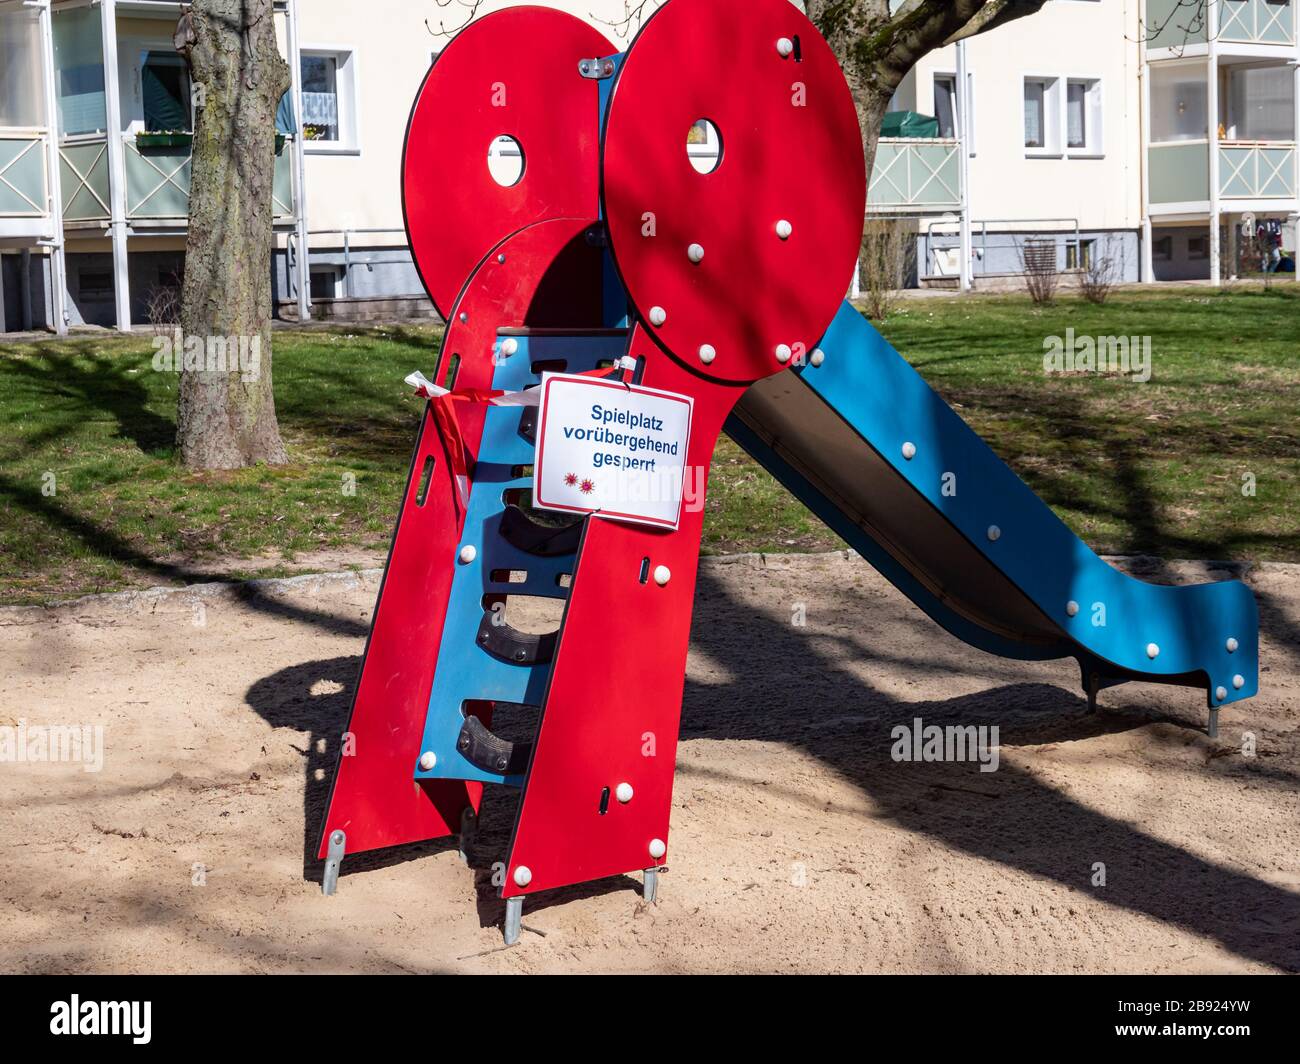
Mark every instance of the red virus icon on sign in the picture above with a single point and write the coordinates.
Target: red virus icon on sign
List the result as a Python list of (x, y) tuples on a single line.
[(587, 487), (570, 479)]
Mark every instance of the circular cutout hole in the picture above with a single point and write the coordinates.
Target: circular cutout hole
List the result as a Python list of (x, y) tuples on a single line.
[(704, 146), (505, 161)]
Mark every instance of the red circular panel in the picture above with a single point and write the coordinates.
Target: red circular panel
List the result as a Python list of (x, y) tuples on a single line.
[(791, 152), (511, 73)]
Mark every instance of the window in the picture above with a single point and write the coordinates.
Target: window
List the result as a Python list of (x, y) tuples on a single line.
[(1198, 247), (1042, 116), (945, 104), (79, 71), (1083, 116), (1261, 103), (329, 111), (1162, 248), (1078, 256), (165, 90), (95, 287), (325, 282), (1178, 103), (22, 100)]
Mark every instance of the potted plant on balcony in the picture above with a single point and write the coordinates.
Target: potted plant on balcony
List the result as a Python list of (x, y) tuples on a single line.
[(175, 138), (163, 138)]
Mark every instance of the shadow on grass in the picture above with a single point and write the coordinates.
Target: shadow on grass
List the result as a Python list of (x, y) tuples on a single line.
[(106, 543), (87, 382)]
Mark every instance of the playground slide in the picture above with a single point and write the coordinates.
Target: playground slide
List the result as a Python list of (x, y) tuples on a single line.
[(862, 440)]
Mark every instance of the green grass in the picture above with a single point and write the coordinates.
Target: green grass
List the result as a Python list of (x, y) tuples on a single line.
[(1133, 468)]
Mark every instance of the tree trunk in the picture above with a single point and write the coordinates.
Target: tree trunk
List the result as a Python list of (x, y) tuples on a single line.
[(226, 411)]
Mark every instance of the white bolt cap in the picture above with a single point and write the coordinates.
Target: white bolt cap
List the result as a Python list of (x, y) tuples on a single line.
[(501, 258), (623, 792), (427, 760), (784, 229), (1220, 693), (509, 346), (707, 353), (1072, 608), (657, 848), (695, 252), (909, 450), (1231, 644), (994, 532), (783, 352), (662, 575), (1153, 650), (523, 876), (784, 47), (817, 357), (464, 316), (467, 554), (658, 315), (1239, 681)]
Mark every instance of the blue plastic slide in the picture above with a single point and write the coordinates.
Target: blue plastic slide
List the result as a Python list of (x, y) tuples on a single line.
[(864, 442)]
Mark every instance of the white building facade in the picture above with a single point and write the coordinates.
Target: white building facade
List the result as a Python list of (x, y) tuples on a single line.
[(1152, 132)]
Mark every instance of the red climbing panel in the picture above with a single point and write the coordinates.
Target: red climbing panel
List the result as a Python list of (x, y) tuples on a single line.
[(374, 800), (613, 704), (790, 153)]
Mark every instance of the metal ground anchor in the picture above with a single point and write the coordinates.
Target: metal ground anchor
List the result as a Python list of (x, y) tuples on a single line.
[(334, 857), (1212, 728), (650, 890), (514, 919)]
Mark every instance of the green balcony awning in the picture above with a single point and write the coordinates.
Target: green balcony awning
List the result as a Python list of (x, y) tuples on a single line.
[(908, 124)]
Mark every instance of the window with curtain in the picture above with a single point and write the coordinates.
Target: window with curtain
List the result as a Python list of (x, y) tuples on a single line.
[(1262, 103), (79, 71), (165, 88), (945, 104), (1178, 104), (320, 97), (1076, 111), (1083, 116), (1035, 113)]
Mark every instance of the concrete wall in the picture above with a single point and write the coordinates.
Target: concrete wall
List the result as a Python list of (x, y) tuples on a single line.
[(11, 272), (147, 271), (1181, 266), (997, 254)]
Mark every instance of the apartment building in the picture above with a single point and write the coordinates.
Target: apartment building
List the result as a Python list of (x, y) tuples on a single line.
[(1085, 131), (1152, 132)]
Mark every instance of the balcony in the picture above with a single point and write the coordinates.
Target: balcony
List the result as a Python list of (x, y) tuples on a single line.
[(1257, 170), (24, 189), (157, 183), (914, 174), (1257, 21)]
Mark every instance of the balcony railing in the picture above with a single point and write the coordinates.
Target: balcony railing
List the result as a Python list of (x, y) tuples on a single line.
[(157, 182), (23, 188), (1175, 24), (83, 179), (1179, 172), (1257, 170), (913, 173), (1257, 21)]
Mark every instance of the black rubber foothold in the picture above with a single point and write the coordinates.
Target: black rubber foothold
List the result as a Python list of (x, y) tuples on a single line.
[(543, 541), (490, 752), (509, 644)]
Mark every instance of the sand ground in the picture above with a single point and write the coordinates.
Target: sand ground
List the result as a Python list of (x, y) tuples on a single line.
[(797, 843)]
